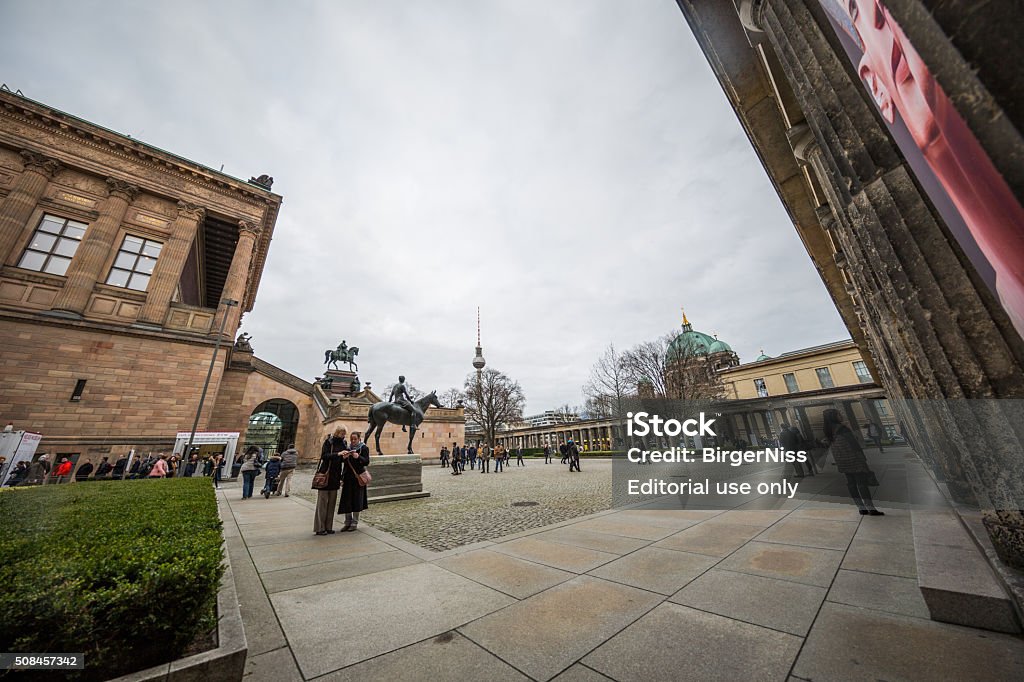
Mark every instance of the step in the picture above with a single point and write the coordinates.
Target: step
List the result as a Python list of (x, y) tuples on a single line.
[(954, 577)]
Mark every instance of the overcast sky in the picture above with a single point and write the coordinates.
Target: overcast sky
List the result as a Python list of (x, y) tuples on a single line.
[(571, 166)]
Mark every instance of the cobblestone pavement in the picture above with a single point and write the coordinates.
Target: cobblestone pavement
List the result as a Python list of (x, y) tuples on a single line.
[(474, 506)]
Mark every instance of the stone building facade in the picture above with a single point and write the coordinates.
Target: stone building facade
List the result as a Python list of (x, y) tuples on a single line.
[(115, 258), (940, 339)]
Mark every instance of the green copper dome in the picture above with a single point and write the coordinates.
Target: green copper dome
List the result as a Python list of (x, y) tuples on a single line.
[(690, 343), (762, 356)]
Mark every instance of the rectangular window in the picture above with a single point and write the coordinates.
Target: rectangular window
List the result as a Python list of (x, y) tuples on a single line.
[(861, 368), (134, 263), (762, 390), (79, 389), (791, 384), (882, 406), (53, 245), (825, 377)]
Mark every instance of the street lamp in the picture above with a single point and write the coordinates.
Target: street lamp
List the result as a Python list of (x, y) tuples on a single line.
[(227, 303)]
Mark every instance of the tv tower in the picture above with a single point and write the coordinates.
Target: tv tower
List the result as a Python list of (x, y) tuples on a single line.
[(478, 361)]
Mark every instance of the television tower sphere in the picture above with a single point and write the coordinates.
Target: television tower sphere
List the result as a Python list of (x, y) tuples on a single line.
[(478, 361)]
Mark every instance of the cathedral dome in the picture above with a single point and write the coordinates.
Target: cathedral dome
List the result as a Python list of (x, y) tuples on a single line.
[(693, 343)]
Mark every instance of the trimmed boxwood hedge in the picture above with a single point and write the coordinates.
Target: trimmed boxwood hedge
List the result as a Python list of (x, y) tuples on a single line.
[(125, 571)]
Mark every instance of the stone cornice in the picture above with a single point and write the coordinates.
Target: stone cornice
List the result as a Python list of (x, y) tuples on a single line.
[(122, 190), (281, 376), (9, 315), (193, 211), (246, 227)]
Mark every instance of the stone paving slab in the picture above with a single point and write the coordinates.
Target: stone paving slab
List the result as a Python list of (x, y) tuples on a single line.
[(674, 642), (636, 529), (678, 519), (262, 632), (556, 555), (806, 565), (580, 673), (881, 557), (664, 571), (511, 575), (448, 656), (385, 611), (273, 666), (713, 539), (546, 633), (882, 592), (590, 539), (315, 549), (810, 533), (314, 574), (751, 517), (777, 604), (852, 644)]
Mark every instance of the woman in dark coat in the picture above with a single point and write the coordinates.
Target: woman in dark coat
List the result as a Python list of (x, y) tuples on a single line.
[(330, 463), (353, 495), (850, 459)]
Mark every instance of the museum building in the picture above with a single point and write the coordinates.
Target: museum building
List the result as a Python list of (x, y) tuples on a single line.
[(123, 265)]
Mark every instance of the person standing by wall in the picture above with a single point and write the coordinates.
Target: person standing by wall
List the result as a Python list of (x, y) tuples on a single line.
[(850, 459), (354, 498), (83, 471), (159, 468), (327, 496)]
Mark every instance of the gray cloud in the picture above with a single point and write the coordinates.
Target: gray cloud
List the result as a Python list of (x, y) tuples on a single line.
[(573, 168)]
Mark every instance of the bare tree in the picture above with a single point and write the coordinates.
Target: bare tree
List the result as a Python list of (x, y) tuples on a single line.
[(496, 400), (451, 397), (608, 385), (566, 413), (684, 373)]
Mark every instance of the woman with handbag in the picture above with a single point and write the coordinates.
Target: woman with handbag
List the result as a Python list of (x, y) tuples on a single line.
[(327, 480), (850, 459), (354, 480)]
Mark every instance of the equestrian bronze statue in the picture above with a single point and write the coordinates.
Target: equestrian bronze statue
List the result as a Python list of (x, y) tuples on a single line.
[(341, 354), (383, 412)]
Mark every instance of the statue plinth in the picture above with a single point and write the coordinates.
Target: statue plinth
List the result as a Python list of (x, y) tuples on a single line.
[(341, 384), (396, 477)]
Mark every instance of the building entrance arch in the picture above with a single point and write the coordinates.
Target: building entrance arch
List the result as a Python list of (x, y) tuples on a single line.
[(273, 426)]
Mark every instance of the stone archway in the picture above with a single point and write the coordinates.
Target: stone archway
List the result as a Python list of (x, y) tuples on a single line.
[(273, 425)]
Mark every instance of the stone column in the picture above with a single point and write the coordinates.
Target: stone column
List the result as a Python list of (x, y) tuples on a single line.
[(17, 207), (170, 264), (238, 276), (85, 268)]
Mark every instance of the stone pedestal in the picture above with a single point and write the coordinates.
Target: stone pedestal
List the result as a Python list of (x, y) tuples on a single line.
[(341, 386), (396, 477)]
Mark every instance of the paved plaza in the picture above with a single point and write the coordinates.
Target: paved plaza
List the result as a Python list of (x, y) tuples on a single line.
[(811, 591), (473, 506)]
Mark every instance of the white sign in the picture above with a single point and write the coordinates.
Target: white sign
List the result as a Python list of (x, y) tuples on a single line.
[(24, 451), (208, 436)]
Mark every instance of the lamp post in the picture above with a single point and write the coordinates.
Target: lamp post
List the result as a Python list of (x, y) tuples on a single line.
[(227, 303)]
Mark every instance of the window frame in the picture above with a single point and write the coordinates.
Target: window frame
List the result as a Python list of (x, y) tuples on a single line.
[(58, 237), (866, 377), (828, 373), (762, 388), (132, 271), (795, 388)]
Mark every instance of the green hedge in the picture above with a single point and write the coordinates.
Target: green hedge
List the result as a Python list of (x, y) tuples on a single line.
[(125, 571)]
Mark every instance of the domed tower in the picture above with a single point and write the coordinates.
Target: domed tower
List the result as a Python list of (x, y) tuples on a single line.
[(693, 359)]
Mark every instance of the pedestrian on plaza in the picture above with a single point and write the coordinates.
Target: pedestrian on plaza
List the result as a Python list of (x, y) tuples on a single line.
[(208, 465), (483, 456), (117, 472), (248, 471), (83, 471), (789, 440), (218, 469), (456, 461), (353, 497), (159, 467), (192, 465), (63, 471), (19, 475), (519, 458), (564, 449), (849, 458), (573, 452), (547, 454), (472, 457), (289, 460), (444, 456), (875, 434), (499, 458), (272, 472), (463, 455), (39, 470), (173, 466), (326, 497)]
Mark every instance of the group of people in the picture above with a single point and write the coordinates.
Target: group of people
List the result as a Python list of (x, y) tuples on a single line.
[(484, 454), (278, 469), (42, 470), (344, 459)]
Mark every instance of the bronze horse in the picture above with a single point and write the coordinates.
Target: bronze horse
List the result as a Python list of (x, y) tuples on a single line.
[(333, 357), (383, 412)]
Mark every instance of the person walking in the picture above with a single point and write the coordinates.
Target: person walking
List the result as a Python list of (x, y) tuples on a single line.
[(564, 449), (849, 458), (547, 454), (499, 458), (327, 496), (83, 471), (218, 469), (473, 453), (354, 498), (519, 458), (443, 457), (248, 471), (192, 465), (159, 468), (289, 460), (463, 454), (484, 455), (273, 470), (573, 452)]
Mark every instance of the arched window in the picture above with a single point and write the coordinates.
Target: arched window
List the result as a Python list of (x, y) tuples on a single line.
[(272, 426)]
